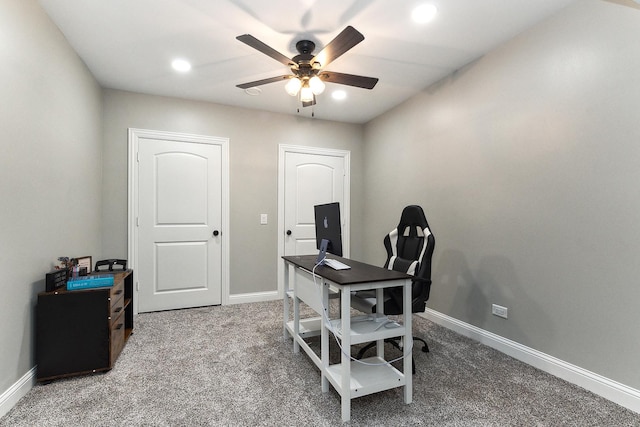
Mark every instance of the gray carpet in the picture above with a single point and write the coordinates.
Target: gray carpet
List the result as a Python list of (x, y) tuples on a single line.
[(229, 365)]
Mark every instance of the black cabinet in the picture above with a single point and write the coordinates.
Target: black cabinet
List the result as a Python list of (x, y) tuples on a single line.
[(83, 331)]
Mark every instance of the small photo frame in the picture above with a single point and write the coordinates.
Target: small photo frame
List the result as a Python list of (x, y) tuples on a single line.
[(85, 262)]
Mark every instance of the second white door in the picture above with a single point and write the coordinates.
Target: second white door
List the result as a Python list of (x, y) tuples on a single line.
[(312, 177)]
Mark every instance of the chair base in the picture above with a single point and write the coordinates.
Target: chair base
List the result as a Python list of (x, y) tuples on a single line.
[(396, 343)]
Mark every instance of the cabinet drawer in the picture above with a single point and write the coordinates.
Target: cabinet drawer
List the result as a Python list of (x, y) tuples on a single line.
[(116, 309), (117, 337), (117, 291)]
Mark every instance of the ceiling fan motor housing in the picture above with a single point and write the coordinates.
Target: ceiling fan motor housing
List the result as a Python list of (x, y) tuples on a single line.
[(303, 66), (305, 47)]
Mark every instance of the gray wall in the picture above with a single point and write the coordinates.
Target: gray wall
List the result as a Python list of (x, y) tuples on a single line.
[(527, 163), (50, 170), (253, 152)]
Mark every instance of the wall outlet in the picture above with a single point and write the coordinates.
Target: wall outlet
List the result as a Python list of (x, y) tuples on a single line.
[(500, 311), (263, 219)]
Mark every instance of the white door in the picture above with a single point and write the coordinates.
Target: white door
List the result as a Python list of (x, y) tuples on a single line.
[(180, 223), (310, 176)]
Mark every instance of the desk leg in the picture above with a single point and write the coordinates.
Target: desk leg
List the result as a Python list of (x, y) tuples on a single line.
[(345, 315), (408, 344), (285, 297), (380, 310), (324, 338), (296, 320)]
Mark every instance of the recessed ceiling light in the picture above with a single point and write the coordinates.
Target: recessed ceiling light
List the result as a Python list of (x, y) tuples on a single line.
[(424, 13), (339, 95), (253, 91), (181, 65)]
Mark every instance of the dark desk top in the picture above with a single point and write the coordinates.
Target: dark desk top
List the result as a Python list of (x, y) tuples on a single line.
[(358, 273)]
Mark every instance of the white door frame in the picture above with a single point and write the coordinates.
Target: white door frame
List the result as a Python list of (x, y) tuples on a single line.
[(345, 208), (133, 196)]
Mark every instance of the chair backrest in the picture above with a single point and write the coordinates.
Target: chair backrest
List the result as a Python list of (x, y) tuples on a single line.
[(409, 249)]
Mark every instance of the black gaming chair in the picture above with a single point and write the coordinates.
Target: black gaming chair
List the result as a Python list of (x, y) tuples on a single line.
[(409, 249)]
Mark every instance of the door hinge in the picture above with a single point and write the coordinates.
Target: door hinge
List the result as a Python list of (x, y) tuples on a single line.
[(138, 156), (137, 221), (137, 286)]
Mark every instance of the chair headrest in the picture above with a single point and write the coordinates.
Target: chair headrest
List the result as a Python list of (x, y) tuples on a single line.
[(412, 215)]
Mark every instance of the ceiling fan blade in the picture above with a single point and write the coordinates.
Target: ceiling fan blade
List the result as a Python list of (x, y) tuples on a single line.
[(348, 79), (310, 103), (249, 40), (348, 38), (263, 82)]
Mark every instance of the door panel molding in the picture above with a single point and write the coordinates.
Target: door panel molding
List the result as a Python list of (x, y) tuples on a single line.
[(134, 137)]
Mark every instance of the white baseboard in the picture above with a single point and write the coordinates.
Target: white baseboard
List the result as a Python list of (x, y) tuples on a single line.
[(614, 391), (253, 297), (9, 398)]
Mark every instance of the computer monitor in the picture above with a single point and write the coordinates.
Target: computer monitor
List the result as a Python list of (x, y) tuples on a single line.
[(328, 229)]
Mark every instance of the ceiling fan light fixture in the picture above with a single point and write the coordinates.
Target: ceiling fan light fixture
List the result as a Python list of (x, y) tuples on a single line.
[(306, 94), (253, 91), (316, 85), (293, 86)]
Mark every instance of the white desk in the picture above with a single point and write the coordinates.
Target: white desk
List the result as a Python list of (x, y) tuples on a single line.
[(350, 378)]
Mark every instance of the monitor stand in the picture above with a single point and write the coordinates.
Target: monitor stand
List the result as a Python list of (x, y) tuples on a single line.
[(324, 244)]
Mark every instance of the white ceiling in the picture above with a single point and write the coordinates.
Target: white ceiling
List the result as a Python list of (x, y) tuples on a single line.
[(129, 45)]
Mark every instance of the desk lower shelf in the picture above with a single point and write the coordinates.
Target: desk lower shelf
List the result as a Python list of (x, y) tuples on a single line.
[(309, 327), (366, 379)]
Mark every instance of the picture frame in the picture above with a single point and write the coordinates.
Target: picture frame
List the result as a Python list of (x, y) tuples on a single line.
[(85, 262)]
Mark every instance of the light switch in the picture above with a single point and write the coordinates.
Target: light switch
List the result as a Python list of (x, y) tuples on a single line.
[(263, 219)]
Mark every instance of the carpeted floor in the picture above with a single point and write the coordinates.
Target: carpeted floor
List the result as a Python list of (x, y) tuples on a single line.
[(231, 366)]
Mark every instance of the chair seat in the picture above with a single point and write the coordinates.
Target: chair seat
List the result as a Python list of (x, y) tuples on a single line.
[(364, 301)]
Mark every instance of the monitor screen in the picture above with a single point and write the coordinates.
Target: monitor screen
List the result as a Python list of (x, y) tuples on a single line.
[(328, 227)]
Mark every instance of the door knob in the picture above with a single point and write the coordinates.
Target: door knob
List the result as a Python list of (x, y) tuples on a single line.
[(288, 232), (215, 233)]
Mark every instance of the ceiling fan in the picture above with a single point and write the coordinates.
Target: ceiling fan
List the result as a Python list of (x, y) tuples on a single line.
[(308, 74)]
